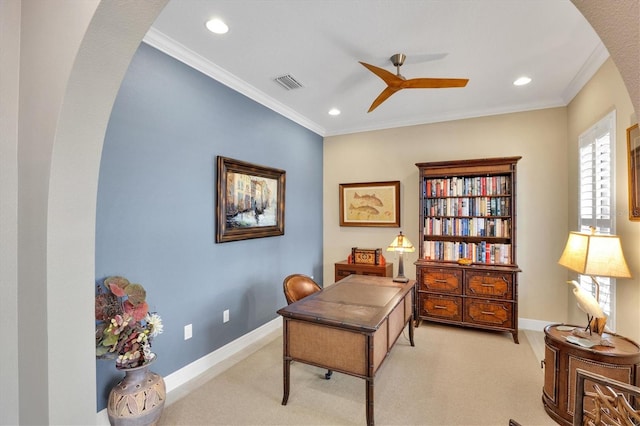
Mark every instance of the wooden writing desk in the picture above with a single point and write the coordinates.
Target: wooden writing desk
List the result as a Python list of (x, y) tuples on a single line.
[(349, 327)]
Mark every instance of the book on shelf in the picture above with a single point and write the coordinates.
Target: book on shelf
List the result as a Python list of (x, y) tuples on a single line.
[(473, 186), (464, 206), (467, 227), (482, 252)]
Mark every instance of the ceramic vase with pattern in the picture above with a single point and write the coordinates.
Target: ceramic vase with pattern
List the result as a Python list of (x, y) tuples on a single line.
[(138, 399)]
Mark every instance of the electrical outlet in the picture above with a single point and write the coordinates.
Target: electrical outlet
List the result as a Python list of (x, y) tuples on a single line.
[(225, 316), (188, 332)]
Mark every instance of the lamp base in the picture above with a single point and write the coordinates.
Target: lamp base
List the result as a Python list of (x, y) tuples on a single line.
[(400, 278), (597, 325), (594, 327)]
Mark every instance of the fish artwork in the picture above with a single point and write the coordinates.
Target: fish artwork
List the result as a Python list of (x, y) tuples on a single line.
[(366, 210), (366, 199)]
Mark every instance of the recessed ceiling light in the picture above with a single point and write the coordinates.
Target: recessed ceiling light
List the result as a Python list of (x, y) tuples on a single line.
[(217, 26), (334, 111), (521, 81)]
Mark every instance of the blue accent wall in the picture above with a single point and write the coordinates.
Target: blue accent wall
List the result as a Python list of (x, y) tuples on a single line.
[(156, 203)]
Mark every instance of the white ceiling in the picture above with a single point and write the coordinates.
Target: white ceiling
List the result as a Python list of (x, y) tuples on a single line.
[(319, 43)]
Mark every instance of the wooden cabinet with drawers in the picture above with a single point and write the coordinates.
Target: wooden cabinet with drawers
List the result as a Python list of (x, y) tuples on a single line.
[(472, 296), (344, 269), (466, 270), (562, 358)]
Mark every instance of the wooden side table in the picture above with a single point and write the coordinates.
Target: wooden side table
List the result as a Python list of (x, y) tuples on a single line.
[(344, 269), (562, 358)]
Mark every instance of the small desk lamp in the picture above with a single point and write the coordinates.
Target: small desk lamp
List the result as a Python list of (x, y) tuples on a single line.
[(594, 255), (401, 244)]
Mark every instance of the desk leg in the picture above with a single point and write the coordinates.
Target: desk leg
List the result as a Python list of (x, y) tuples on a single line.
[(416, 317), (411, 332), (369, 385), (369, 379), (413, 319), (286, 362), (286, 369)]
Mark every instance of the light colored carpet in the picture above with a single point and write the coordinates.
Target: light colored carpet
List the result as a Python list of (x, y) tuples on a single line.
[(453, 376)]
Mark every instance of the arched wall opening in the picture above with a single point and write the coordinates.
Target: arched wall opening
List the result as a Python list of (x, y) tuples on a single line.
[(110, 42)]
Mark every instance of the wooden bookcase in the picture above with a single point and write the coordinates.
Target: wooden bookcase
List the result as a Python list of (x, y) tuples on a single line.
[(468, 211)]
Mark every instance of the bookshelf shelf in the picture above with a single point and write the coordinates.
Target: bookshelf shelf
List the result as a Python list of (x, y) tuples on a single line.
[(468, 211)]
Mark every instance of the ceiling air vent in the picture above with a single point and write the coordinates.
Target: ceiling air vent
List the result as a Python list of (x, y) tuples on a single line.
[(288, 82)]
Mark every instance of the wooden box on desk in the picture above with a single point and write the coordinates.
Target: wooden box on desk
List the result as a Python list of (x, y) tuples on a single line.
[(344, 269)]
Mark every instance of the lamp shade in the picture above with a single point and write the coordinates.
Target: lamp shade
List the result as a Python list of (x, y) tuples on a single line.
[(401, 243), (595, 255)]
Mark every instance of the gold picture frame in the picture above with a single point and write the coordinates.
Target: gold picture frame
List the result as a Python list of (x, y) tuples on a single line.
[(633, 157), (370, 204), (250, 201)]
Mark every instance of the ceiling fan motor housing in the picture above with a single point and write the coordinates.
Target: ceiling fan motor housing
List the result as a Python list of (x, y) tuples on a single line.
[(398, 59)]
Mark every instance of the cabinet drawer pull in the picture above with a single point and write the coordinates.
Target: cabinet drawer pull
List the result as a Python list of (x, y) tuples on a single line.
[(440, 281), (440, 307), (487, 285), (488, 313)]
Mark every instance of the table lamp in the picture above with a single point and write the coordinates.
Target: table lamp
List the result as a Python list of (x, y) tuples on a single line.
[(401, 244), (594, 255)]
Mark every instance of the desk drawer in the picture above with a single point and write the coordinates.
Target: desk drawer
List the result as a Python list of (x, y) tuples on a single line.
[(488, 312), (489, 284), (443, 307), (441, 280)]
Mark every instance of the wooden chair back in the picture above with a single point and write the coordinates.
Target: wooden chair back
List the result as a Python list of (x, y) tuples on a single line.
[(298, 286), (615, 402)]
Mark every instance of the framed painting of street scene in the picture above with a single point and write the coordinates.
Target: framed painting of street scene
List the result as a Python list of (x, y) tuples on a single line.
[(250, 201)]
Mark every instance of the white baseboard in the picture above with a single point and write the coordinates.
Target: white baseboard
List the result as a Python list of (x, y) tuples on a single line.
[(217, 358), (208, 362), (193, 370), (532, 324)]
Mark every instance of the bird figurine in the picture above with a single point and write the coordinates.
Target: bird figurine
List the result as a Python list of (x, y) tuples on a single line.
[(596, 319)]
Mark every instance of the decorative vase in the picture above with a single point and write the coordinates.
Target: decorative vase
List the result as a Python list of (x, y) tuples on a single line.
[(138, 399)]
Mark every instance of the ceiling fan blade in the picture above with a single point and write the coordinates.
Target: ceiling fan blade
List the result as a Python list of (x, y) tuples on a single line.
[(389, 78), (434, 83), (383, 96), (397, 82), (424, 57)]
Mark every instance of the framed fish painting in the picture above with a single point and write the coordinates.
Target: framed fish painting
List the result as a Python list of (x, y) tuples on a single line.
[(370, 204)]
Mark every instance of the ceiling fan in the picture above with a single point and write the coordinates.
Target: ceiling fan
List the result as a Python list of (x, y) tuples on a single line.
[(398, 82)]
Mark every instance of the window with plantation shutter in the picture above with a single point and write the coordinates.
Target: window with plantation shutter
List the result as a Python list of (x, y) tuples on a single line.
[(596, 204)]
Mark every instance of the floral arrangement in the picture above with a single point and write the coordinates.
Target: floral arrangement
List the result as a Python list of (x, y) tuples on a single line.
[(124, 325)]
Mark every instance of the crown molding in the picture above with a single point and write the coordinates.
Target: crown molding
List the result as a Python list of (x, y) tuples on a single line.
[(167, 45), (593, 63)]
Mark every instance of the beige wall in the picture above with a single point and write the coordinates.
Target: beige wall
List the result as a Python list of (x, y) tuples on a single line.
[(540, 137), (604, 93), (547, 176)]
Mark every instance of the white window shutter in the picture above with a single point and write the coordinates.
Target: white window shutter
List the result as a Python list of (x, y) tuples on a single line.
[(596, 186)]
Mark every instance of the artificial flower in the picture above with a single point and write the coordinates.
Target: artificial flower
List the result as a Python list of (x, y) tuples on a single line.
[(124, 325), (156, 324)]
